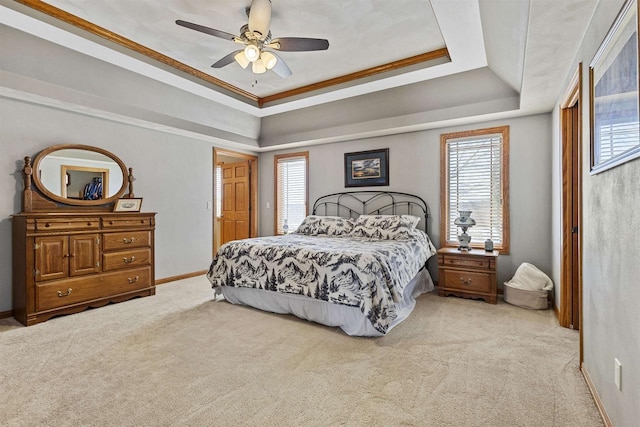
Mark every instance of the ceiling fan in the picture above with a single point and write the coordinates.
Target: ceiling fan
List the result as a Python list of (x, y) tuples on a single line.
[(256, 37)]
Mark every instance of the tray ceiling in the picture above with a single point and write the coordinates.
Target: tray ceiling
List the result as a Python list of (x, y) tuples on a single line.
[(528, 45), (363, 35)]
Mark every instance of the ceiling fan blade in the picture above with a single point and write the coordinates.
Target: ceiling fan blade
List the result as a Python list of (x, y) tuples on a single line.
[(206, 30), (281, 68), (260, 17), (298, 44), (228, 59)]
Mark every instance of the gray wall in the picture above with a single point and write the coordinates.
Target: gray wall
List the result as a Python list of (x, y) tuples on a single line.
[(76, 81), (610, 251), (173, 176), (414, 167)]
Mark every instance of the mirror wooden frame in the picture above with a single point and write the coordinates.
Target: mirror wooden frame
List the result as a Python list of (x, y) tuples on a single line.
[(32, 201)]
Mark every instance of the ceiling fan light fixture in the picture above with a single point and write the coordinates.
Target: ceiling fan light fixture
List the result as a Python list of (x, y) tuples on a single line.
[(251, 52), (258, 67), (242, 59), (269, 60)]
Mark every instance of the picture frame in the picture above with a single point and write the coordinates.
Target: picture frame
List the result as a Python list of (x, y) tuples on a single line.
[(128, 205), (366, 168), (614, 82)]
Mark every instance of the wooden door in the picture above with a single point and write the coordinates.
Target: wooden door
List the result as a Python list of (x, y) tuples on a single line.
[(52, 257), (236, 194), (570, 278), (84, 255), (575, 220)]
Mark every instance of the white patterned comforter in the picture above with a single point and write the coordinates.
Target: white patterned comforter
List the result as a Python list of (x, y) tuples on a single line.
[(369, 274)]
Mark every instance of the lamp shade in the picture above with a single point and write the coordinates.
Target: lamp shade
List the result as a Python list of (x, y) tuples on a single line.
[(269, 60), (258, 67), (251, 52), (242, 59)]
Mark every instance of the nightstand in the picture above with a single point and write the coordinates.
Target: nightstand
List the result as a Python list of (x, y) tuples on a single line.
[(468, 274)]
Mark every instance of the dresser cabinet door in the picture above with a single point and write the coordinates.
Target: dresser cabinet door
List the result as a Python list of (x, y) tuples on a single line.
[(85, 254), (51, 257)]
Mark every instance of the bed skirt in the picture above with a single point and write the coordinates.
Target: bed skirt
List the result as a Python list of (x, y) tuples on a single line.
[(350, 319)]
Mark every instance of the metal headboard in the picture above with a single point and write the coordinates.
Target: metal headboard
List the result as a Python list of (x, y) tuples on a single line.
[(355, 203)]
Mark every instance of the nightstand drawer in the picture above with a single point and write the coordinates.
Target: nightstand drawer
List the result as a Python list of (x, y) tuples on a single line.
[(477, 262), (467, 281)]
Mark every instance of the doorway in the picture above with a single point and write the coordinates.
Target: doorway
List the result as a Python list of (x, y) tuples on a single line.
[(570, 312), (235, 179)]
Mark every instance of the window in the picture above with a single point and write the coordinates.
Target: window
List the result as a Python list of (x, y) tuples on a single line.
[(475, 176), (291, 190)]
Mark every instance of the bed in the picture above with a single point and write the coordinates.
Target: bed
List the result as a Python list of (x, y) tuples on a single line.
[(357, 262)]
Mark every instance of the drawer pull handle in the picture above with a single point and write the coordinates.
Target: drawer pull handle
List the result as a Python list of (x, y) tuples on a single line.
[(465, 281), (129, 260), (60, 294), (127, 241), (133, 280), (110, 222), (88, 224), (47, 225)]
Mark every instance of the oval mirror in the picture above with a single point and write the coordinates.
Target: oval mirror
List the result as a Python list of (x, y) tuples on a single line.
[(80, 175)]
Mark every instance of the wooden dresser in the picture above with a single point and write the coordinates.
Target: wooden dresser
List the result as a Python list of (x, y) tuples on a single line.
[(67, 262), (80, 240), (468, 274)]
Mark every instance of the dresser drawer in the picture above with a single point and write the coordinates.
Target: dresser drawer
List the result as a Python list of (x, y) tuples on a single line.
[(67, 292), (126, 259), (127, 221), (131, 239), (61, 224), (467, 281), (478, 262)]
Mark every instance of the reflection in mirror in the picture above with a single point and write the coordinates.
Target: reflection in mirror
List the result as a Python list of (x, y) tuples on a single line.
[(80, 174)]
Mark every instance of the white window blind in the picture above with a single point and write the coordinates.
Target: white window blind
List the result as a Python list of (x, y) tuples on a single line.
[(474, 182), (616, 139), (218, 190), (291, 192)]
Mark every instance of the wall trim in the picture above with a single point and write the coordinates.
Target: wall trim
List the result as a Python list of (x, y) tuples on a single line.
[(5, 314), (180, 277), (596, 397)]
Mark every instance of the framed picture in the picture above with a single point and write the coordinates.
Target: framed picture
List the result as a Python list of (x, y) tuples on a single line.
[(614, 96), (128, 205), (366, 168)]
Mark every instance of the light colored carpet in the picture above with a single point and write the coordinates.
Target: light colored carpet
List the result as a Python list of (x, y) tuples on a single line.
[(181, 358)]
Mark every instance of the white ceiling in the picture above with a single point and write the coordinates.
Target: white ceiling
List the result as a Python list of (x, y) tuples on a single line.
[(358, 31), (528, 44)]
